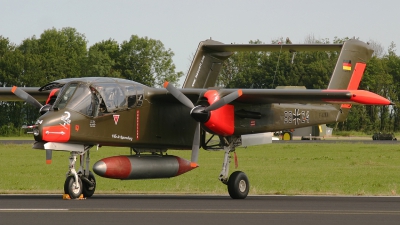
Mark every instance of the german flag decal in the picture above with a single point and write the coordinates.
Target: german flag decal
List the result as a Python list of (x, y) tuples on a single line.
[(347, 65)]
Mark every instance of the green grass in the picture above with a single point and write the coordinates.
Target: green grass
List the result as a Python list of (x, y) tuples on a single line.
[(22, 137), (357, 133), (291, 169)]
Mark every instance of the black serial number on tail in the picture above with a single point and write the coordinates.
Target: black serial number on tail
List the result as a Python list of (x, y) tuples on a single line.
[(296, 117)]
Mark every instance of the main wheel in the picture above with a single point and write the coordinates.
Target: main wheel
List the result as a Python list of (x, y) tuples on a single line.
[(87, 189), (238, 185), (71, 188)]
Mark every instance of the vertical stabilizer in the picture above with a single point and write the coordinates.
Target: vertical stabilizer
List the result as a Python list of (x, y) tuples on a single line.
[(205, 67), (354, 54), (349, 70)]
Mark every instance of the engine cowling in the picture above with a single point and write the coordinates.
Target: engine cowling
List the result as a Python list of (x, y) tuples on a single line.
[(220, 121)]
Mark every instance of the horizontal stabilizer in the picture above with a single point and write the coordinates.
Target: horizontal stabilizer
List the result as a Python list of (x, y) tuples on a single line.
[(273, 47)]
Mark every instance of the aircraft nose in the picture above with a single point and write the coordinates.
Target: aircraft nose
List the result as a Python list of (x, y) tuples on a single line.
[(100, 168)]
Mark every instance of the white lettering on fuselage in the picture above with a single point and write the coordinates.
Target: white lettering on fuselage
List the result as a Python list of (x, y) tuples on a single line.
[(117, 136)]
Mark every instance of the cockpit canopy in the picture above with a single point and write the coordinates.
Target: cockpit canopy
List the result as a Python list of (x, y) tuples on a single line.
[(95, 96)]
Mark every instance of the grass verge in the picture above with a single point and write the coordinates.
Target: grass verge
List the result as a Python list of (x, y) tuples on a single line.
[(289, 169)]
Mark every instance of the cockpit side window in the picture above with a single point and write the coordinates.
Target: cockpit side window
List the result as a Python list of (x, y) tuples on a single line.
[(65, 96), (113, 96), (82, 100), (131, 95), (139, 96), (134, 95)]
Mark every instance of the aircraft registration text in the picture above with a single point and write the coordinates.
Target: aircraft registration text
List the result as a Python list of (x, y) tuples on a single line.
[(296, 117)]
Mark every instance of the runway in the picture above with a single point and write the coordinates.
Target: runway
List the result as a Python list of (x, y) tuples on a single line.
[(198, 209), (19, 142)]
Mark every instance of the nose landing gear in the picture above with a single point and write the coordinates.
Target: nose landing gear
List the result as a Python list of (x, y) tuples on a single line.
[(80, 184)]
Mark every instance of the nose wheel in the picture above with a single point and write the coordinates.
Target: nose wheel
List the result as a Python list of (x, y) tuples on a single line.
[(85, 186), (72, 188)]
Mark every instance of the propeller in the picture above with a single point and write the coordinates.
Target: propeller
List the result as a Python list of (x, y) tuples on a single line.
[(195, 147), (200, 114), (26, 97), (31, 100)]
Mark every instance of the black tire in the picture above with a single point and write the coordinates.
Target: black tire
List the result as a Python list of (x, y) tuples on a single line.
[(88, 191), (69, 187), (238, 185)]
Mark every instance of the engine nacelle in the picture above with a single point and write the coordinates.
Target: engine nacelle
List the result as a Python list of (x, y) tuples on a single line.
[(221, 121)]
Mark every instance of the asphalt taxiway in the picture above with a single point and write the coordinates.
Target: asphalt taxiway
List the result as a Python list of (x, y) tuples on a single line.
[(198, 209), (364, 141)]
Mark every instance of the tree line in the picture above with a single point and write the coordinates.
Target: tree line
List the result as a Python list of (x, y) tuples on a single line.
[(64, 53)]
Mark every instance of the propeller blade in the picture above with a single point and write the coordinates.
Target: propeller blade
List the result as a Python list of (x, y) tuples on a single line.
[(178, 95), (195, 147), (49, 154), (225, 100), (196, 139), (26, 97)]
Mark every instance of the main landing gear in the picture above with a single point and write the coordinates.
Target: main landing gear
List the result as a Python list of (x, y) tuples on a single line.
[(82, 183), (238, 183)]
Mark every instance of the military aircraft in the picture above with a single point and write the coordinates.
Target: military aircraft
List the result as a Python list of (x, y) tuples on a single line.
[(81, 113)]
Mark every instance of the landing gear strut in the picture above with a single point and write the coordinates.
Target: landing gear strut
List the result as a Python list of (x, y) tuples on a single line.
[(88, 179), (73, 183), (238, 183), (81, 182)]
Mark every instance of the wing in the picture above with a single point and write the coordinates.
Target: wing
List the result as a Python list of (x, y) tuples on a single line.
[(42, 93), (268, 96), (304, 96)]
